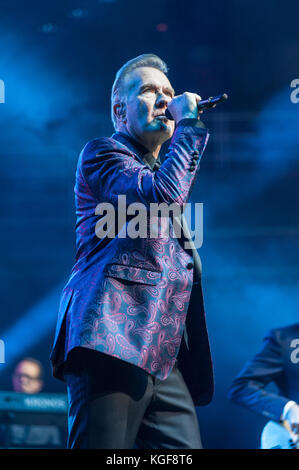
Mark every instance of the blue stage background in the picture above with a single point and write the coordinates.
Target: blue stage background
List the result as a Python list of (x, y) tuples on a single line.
[(58, 61)]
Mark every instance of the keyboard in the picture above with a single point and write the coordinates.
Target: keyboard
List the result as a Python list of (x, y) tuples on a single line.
[(42, 408)]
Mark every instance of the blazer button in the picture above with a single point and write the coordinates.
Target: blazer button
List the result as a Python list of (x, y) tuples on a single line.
[(195, 152), (192, 167), (190, 265)]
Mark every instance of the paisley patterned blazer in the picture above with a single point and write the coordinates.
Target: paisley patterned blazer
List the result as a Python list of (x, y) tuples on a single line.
[(137, 299)]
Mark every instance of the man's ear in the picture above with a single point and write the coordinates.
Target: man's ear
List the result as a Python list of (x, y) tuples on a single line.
[(120, 111)]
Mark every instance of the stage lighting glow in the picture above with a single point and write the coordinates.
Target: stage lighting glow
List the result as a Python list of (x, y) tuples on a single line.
[(33, 325), (162, 27)]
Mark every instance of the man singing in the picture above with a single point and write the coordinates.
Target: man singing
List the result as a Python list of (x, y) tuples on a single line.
[(131, 339)]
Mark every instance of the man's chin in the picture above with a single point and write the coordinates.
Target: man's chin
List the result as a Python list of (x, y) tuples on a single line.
[(163, 127), (167, 133)]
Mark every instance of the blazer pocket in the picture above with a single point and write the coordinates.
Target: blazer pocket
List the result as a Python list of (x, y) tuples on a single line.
[(133, 274)]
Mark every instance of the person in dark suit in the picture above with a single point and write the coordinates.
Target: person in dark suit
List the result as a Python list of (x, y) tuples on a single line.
[(131, 339), (277, 362)]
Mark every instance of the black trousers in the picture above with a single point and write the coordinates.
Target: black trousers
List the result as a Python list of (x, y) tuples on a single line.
[(116, 405)]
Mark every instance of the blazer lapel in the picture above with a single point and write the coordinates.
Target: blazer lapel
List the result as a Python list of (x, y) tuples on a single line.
[(139, 152)]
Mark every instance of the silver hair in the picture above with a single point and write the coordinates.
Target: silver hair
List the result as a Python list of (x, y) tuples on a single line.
[(144, 60)]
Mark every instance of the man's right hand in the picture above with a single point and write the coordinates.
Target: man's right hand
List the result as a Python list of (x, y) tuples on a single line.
[(184, 106), (292, 417)]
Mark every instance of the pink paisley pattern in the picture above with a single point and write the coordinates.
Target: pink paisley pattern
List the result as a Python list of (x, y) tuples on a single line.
[(129, 298)]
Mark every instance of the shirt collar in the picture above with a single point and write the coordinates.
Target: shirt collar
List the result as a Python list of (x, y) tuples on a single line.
[(137, 148)]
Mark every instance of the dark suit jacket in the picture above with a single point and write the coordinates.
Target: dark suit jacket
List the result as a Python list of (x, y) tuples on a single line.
[(129, 298), (273, 363)]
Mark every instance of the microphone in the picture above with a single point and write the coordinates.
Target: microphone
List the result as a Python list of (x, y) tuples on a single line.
[(204, 104)]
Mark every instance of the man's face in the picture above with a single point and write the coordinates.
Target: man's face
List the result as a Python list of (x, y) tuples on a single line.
[(148, 93), (26, 378)]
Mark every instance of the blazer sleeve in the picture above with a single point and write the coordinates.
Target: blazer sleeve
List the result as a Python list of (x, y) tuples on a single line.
[(248, 389), (110, 172)]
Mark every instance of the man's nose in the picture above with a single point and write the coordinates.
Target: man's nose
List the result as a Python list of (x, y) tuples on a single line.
[(162, 101)]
